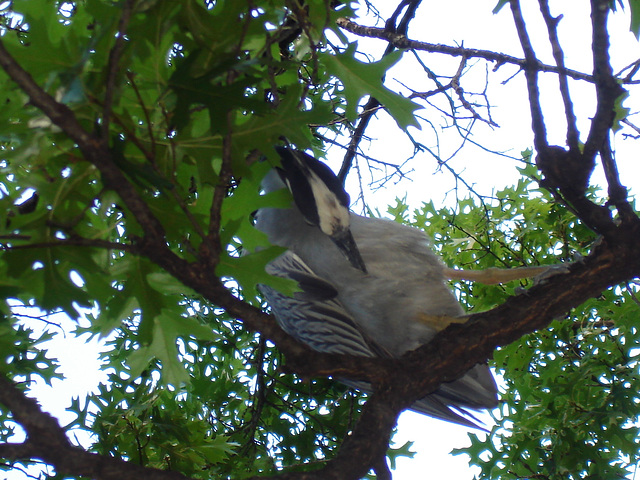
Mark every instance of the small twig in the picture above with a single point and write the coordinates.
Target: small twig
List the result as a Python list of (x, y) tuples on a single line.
[(212, 240), (402, 42), (455, 84), (635, 128), (113, 68), (372, 104), (632, 294), (150, 156), (76, 241), (617, 192), (531, 74), (370, 108), (633, 68)]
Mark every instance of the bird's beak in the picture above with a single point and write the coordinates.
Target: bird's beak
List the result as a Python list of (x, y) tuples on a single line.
[(345, 242)]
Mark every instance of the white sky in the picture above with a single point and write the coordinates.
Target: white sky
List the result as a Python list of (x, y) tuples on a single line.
[(451, 23)]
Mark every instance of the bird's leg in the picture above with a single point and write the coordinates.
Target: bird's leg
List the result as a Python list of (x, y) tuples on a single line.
[(492, 276), (440, 322), (489, 276)]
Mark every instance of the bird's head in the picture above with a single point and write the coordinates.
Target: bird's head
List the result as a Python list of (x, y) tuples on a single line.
[(321, 198)]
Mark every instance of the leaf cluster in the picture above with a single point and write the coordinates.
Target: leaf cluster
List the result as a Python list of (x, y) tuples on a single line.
[(570, 393), (187, 97)]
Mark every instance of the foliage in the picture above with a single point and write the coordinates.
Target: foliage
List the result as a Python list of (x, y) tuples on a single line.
[(570, 406), (189, 388), (185, 101)]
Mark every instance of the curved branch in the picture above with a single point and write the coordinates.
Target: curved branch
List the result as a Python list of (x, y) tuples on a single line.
[(461, 346), (47, 441)]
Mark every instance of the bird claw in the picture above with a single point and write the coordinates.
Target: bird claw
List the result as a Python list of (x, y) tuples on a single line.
[(552, 271), (440, 322)]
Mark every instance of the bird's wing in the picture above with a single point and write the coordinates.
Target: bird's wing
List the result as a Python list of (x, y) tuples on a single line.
[(315, 317)]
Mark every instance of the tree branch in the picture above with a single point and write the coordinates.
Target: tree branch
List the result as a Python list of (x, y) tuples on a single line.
[(607, 89), (113, 69), (531, 74), (558, 55), (90, 146), (402, 42), (372, 104), (47, 441), (618, 193), (70, 242)]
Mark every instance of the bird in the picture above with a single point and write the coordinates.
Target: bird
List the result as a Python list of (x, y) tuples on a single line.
[(368, 286)]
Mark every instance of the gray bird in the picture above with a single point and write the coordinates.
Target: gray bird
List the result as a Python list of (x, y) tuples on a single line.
[(369, 286)]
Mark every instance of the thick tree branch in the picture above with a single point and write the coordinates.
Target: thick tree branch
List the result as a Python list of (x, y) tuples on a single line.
[(607, 88), (47, 441), (399, 382), (197, 276), (567, 173), (458, 348)]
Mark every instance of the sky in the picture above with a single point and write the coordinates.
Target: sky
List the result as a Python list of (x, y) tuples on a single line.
[(451, 23)]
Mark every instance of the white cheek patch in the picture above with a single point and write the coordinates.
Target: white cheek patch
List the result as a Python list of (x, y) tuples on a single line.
[(333, 216)]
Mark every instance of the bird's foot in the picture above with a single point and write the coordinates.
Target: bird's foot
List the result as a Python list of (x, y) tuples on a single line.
[(440, 322), (551, 271)]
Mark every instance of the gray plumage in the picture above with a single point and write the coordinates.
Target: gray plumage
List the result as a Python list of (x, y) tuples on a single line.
[(344, 310)]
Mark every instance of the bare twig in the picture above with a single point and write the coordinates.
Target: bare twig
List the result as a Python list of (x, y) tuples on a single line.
[(402, 42), (531, 74), (455, 84)]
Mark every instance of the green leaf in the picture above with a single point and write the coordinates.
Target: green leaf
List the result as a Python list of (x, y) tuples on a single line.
[(621, 113), (634, 7), (499, 5), (262, 132), (360, 79), (249, 272), (167, 328)]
